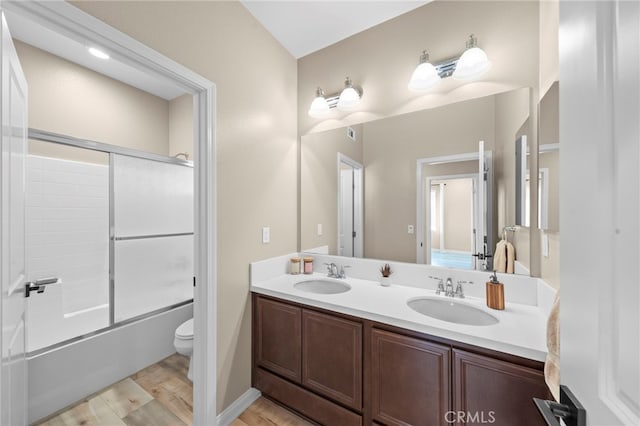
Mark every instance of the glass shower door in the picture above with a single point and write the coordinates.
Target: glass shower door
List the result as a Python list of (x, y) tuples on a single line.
[(152, 235)]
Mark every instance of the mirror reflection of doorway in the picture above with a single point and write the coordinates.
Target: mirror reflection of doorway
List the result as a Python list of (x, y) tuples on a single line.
[(430, 248), (452, 221), (350, 207)]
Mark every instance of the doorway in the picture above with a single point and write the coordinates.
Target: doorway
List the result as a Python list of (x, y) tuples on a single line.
[(61, 18), (477, 168), (350, 207), (451, 219)]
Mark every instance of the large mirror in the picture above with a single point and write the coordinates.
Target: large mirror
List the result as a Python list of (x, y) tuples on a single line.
[(548, 162), (406, 187)]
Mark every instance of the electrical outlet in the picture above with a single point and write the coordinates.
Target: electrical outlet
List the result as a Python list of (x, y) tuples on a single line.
[(266, 235), (545, 245), (319, 229), (410, 229)]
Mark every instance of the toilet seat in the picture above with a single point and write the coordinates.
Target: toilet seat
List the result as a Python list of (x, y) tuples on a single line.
[(185, 331)]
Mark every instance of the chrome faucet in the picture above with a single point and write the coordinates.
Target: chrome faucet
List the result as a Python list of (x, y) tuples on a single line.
[(449, 288), (334, 272)]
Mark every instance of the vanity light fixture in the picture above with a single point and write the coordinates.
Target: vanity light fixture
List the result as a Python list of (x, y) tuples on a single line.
[(347, 100), (425, 76), (98, 53), (473, 63)]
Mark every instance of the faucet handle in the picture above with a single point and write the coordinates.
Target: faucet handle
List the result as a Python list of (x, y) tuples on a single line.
[(342, 273), (440, 284)]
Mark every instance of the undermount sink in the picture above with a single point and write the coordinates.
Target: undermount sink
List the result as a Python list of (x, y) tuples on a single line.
[(322, 286), (451, 311)]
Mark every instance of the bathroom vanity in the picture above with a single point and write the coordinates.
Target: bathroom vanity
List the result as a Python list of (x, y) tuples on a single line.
[(363, 357)]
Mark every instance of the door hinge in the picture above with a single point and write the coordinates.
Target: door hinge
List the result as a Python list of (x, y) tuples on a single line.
[(194, 281)]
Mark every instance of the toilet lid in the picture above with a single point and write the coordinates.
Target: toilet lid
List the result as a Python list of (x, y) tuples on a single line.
[(186, 329)]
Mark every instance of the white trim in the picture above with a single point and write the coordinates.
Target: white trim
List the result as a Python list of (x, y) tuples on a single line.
[(68, 20), (237, 407)]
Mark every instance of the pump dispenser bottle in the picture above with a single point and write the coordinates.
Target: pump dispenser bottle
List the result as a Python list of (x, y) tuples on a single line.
[(495, 293)]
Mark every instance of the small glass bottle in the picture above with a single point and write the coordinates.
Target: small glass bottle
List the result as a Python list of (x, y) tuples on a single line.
[(308, 265), (294, 266)]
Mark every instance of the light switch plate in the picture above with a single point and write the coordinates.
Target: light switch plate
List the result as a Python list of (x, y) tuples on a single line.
[(410, 229), (545, 245), (319, 229), (266, 235)]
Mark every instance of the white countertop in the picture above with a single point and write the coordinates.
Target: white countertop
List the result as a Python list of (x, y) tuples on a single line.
[(521, 329)]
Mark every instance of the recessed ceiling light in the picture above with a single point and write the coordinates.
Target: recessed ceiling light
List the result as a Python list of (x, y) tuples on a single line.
[(98, 53)]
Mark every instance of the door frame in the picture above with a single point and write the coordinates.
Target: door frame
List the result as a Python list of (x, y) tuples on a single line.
[(420, 201), (70, 21)]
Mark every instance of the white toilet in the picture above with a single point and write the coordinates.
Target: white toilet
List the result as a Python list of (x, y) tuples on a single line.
[(184, 342)]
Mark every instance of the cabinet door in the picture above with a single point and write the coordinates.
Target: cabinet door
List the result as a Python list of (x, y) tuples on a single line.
[(332, 357), (279, 338), (410, 380), (493, 391)]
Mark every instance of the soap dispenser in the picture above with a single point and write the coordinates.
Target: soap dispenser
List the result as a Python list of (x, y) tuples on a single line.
[(495, 293)]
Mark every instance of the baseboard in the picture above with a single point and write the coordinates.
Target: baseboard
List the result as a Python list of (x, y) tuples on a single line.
[(237, 407)]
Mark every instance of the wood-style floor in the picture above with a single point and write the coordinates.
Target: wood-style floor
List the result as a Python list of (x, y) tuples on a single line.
[(159, 395)]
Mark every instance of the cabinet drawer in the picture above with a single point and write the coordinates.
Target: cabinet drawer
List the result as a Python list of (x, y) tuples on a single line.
[(279, 338), (332, 357)]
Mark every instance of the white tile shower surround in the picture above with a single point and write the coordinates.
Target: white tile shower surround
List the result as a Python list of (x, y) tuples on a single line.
[(67, 236), (521, 330)]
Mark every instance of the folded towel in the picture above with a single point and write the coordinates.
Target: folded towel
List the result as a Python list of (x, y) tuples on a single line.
[(500, 257), (552, 363), (511, 257)]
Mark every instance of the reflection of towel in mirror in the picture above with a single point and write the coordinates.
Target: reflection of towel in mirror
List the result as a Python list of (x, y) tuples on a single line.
[(511, 257), (504, 257), (552, 364), (500, 257)]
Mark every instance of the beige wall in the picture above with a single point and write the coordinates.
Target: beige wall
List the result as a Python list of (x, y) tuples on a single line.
[(319, 179), (72, 100), (381, 59), (458, 212), (256, 146), (181, 125)]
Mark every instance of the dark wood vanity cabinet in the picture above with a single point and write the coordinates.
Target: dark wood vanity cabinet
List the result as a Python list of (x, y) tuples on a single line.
[(500, 392), (409, 380), (339, 370)]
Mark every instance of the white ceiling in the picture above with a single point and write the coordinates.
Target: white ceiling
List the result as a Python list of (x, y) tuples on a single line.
[(305, 26)]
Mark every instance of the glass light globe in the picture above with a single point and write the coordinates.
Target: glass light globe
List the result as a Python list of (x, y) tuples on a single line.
[(349, 98), (319, 106), (424, 77)]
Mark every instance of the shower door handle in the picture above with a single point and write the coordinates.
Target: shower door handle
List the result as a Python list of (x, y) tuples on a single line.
[(39, 285)]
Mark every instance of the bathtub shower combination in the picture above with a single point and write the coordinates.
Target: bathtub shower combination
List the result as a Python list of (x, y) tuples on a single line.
[(115, 226)]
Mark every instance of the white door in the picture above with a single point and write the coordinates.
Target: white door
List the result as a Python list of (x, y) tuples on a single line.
[(600, 208), (480, 213), (13, 141), (350, 207)]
